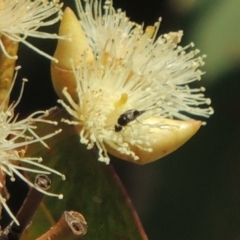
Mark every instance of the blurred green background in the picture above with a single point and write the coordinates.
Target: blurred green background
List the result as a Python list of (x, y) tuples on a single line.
[(193, 193)]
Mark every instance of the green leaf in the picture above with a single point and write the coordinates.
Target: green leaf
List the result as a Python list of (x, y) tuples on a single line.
[(217, 34), (91, 188)]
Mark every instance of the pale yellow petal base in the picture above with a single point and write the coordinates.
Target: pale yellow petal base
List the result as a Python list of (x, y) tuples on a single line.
[(164, 140)]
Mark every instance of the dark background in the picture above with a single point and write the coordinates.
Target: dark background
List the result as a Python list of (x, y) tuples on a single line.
[(193, 193)]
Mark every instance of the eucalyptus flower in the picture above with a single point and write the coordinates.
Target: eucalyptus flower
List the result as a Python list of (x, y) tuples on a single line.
[(127, 89), (20, 19), (15, 136)]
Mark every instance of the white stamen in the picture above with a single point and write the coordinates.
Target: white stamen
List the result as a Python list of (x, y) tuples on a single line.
[(22, 18), (15, 136), (153, 72)]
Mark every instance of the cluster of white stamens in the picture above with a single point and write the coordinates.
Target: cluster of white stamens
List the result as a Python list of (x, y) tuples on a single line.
[(20, 19), (15, 136), (132, 69)]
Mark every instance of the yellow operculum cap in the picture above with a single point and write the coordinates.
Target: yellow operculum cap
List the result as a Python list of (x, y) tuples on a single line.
[(162, 140), (70, 53), (7, 68)]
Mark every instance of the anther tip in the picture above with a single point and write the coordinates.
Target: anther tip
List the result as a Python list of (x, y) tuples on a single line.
[(60, 196)]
